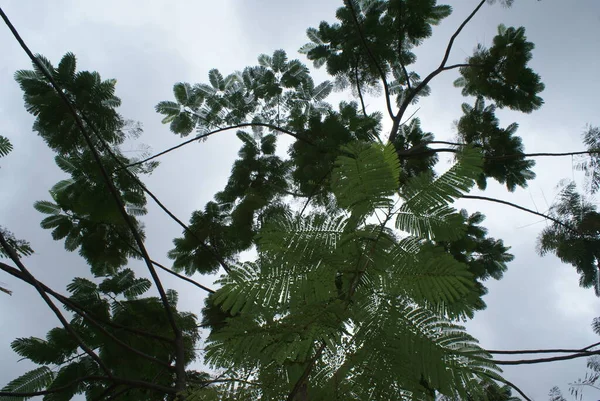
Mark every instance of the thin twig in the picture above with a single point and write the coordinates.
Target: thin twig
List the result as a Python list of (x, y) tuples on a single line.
[(485, 198), (203, 136), (170, 271), (546, 360), (542, 351), (433, 74)]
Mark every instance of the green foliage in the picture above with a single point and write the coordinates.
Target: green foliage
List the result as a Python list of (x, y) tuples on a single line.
[(333, 306), (390, 30), (500, 73), (5, 146), (591, 166), (83, 211), (485, 257), (21, 247), (500, 147), (328, 280), (576, 240), (34, 380), (115, 300)]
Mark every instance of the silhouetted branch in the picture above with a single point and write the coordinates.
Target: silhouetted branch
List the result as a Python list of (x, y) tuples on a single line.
[(433, 74), (372, 57), (542, 351), (546, 360), (485, 198), (15, 258), (206, 135)]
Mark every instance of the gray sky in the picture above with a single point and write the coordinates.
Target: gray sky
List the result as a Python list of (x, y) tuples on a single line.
[(149, 45)]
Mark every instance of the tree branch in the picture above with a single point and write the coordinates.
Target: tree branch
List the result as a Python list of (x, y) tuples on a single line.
[(302, 380), (546, 360), (372, 57), (203, 136), (455, 35), (45, 289), (543, 351), (15, 258), (503, 380), (485, 198), (179, 348), (170, 271), (184, 278), (432, 75)]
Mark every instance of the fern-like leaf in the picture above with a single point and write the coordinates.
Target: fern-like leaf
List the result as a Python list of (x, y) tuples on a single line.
[(34, 380)]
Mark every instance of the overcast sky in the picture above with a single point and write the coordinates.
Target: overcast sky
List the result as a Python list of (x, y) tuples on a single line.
[(149, 45)]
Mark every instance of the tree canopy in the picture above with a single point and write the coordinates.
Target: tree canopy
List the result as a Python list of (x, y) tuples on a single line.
[(362, 268)]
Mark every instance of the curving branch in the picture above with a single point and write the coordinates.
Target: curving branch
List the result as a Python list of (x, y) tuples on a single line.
[(382, 73), (546, 360), (485, 198), (504, 381), (433, 74), (206, 135), (543, 351), (80, 310)]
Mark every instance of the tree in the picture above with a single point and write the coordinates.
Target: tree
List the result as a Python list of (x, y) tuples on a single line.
[(590, 380), (338, 302)]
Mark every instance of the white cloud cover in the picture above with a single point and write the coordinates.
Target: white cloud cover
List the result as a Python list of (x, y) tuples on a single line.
[(150, 45)]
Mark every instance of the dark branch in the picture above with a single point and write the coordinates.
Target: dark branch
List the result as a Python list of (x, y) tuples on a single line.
[(15, 258), (455, 35), (302, 380), (203, 136), (372, 57), (189, 280), (432, 75), (543, 351), (360, 96), (485, 198), (45, 289), (514, 386), (546, 360)]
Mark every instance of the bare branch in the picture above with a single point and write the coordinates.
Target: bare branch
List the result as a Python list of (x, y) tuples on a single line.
[(546, 360), (543, 351), (485, 198), (432, 75), (189, 280), (455, 35), (203, 136)]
